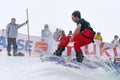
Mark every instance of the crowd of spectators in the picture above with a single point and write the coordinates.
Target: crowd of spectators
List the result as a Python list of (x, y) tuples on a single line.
[(116, 39), (59, 34)]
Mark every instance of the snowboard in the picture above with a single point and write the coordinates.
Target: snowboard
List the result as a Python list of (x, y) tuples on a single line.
[(68, 62)]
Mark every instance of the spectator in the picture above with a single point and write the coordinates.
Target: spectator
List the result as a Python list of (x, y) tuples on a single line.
[(115, 40), (119, 40), (46, 32), (55, 34), (98, 36), (3, 32), (11, 34), (2, 36), (70, 33), (61, 35)]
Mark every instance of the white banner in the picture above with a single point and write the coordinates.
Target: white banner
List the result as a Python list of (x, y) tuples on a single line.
[(39, 45), (97, 48)]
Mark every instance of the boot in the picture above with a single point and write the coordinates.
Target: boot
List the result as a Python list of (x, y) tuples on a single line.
[(20, 54), (79, 56), (8, 53), (59, 51), (14, 53)]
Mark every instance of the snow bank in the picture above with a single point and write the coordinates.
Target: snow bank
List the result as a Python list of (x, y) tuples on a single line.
[(32, 68)]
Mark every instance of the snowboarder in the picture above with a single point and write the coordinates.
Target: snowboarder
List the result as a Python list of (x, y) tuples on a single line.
[(11, 34), (82, 35)]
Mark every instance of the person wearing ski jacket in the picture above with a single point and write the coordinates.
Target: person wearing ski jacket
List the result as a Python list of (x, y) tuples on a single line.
[(46, 33), (83, 35), (98, 37), (115, 40), (11, 34)]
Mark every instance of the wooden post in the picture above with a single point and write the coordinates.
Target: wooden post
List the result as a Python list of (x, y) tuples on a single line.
[(28, 32)]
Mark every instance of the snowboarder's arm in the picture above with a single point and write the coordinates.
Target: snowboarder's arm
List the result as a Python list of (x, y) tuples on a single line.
[(77, 30)]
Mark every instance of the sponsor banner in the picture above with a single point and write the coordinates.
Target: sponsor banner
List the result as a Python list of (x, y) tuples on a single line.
[(39, 45), (97, 48), (36, 44)]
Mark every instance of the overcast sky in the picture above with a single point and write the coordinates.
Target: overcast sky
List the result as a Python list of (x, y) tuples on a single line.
[(103, 15)]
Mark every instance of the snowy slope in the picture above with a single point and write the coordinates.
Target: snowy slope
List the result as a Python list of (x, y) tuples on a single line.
[(32, 68)]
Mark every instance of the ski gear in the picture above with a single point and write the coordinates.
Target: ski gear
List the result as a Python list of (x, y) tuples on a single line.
[(14, 53), (8, 53), (79, 56), (59, 51)]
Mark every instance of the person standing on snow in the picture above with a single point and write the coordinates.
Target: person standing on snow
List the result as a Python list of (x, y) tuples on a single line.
[(11, 34), (82, 35)]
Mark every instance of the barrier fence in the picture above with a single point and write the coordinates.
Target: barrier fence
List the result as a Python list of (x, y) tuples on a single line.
[(38, 45)]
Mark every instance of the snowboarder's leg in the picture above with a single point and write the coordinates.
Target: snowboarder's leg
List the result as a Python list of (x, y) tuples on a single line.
[(79, 53), (79, 56), (9, 46), (61, 46), (79, 41), (59, 51)]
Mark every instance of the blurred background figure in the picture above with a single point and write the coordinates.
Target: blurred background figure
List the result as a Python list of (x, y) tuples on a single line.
[(46, 32), (98, 37), (55, 34), (3, 32), (115, 40), (119, 40), (2, 36), (61, 35), (70, 33)]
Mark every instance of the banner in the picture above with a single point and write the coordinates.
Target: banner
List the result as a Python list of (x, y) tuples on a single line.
[(97, 48), (39, 45)]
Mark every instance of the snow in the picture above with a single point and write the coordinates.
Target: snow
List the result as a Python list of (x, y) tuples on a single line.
[(32, 68)]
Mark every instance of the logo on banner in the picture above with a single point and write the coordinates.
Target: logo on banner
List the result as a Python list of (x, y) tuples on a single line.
[(41, 45)]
